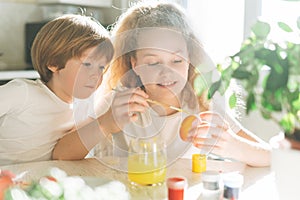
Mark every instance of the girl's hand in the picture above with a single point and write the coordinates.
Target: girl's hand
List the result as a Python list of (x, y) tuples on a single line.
[(211, 133), (125, 108)]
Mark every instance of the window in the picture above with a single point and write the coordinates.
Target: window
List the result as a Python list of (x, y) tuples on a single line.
[(277, 10), (274, 11), (220, 25)]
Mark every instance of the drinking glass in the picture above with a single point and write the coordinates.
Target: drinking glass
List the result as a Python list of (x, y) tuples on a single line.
[(147, 161)]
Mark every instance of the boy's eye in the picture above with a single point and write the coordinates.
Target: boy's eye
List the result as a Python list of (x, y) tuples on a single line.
[(87, 64), (102, 68)]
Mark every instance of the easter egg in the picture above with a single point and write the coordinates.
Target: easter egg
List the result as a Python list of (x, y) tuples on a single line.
[(186, 126), (5, 182)]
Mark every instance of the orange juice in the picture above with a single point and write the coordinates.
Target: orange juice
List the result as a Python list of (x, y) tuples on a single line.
[(147, 168)]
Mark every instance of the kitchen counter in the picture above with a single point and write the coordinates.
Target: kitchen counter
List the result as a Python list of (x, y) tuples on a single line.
[(9, 75)]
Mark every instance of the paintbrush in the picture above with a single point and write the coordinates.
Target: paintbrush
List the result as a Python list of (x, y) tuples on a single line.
[(163, 104), (168, 106), (175, 108)]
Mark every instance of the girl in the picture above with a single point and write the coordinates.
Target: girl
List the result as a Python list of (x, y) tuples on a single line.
[(156, 51)]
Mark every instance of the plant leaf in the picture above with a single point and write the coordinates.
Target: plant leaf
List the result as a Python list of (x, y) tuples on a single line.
[(241, 74), (288, 123), (298, 22), (285, 27), (261, 29), (226, 77), (278, 77), (213, 88), (250, 105), (265, 114), (199, 85), (232, 101), (270, 102), (296, 104)]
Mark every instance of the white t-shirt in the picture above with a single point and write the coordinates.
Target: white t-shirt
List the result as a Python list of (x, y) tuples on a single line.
[(149, 124), (165, 127), (32, 120)]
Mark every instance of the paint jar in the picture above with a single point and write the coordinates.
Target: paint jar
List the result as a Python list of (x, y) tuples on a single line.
[(232, 186), (199, 163), (176, 187), (212, 189)]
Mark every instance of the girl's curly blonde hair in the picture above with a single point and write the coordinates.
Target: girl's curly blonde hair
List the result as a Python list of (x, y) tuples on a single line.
[(149, 14)]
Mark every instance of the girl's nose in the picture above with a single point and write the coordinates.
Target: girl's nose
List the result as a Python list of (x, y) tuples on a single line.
[(164, 69)]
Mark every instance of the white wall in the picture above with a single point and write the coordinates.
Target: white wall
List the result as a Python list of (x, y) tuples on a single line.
[(13, 16), (220, 25), (263, 128), (15, 13)]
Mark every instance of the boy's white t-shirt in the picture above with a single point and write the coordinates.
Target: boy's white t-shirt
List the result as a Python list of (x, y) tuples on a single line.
[(32, 120)]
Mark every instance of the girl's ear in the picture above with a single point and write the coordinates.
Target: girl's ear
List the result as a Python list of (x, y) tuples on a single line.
[(53, 68), (133, 63)]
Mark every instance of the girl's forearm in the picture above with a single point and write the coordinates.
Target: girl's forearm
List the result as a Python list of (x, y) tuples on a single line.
[(254, 152)]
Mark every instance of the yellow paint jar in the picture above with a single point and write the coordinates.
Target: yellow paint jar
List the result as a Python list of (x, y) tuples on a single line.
[(199, 163)]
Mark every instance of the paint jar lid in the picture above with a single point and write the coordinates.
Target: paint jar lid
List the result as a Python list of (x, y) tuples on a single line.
[(211, 180), (178, 182), (233, 180), (210, 176), (198, 157)]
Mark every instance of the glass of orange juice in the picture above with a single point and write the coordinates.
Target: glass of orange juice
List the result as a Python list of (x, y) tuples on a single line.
[(147, 161)]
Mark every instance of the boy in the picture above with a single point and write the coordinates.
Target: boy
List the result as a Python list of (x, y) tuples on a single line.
[(70, 54)]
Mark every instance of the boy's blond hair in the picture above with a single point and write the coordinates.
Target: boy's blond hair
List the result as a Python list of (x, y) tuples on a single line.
[(66, 37)]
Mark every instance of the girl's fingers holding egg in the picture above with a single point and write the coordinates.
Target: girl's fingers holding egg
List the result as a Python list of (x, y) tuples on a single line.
[(214, 118), (208, 142)]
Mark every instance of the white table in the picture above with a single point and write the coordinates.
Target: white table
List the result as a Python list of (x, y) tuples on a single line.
[(259, 183)]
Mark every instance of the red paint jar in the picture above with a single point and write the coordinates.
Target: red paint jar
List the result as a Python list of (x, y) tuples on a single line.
[(176, 187)]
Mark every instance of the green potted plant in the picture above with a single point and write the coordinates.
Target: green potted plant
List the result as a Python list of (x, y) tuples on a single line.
[(269, 73)]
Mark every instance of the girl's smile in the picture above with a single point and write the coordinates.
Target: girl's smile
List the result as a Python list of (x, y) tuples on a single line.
[(167, 84)]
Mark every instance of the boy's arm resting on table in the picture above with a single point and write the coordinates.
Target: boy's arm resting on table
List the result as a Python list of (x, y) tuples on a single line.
[(77, 143)]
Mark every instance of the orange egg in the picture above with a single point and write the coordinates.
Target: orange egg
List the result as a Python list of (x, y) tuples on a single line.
[(5, 182), (186, 126)]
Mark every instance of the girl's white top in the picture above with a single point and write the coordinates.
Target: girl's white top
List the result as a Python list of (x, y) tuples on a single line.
[(166, 128)]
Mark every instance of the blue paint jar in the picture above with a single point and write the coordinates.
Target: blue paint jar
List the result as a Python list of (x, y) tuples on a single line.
[(232, 186)]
